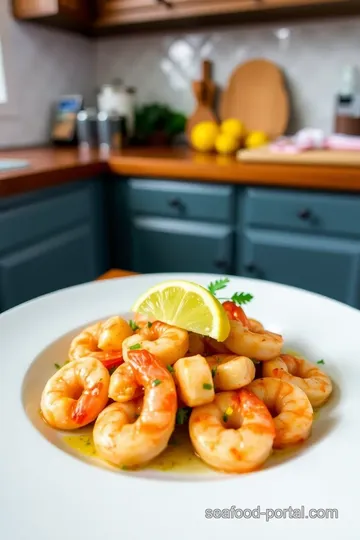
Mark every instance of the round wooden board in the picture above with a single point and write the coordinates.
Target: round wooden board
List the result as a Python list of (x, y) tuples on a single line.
[(257, 96)]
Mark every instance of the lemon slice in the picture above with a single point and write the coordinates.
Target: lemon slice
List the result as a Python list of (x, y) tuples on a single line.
[(186, 305)]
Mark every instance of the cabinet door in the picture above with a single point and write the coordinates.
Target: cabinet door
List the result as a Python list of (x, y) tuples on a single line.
[(28, 9), (166, 245), (327, 266)]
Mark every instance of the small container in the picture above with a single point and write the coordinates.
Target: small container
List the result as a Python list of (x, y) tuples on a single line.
[(112, 131), (87, 128)]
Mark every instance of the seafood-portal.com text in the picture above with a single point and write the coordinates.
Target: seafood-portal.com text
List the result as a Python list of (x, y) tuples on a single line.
[(271, 513)]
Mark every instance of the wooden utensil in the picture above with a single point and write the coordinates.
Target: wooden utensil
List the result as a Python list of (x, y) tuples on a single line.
[(312, 157), (256, 95), (204, 91)]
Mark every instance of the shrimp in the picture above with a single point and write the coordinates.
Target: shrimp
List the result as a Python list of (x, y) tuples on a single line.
[(126, 440), (215, 347), (166, 343), (314, 382), (102, 340), (234, 433), (261, 346), (123, 385), (291, 407), (231, 372), (194, 380), (235, 313), (76, 394)]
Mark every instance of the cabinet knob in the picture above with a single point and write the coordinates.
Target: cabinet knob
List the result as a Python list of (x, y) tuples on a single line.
[(176, 203), (250, 268), (221, 264), (304, 214)]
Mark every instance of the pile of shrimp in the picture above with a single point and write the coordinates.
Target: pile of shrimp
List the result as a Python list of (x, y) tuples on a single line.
[(132, 378)]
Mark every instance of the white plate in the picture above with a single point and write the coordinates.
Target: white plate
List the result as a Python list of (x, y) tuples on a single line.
[(49, 494)]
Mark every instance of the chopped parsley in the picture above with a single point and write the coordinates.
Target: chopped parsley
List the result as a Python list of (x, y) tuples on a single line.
[(207, 386), (225, 417), (182, 415), (217, 285), (156, 382), (57, 366), (239, 298), (321, 361), (213, 371), (135, 347), (149, 324), (170, 369), (133, 325)]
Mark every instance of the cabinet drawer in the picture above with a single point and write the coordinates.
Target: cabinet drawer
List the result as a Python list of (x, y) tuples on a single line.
[(182, 200), (312, 212), (40, 218)]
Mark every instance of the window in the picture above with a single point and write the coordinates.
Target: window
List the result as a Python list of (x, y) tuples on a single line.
[(3, 93)]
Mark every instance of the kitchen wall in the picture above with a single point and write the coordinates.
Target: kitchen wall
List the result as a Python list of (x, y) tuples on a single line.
[(312, 55), (40, 65)]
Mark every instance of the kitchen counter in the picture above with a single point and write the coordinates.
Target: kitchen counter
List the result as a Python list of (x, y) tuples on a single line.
[(53, 166)]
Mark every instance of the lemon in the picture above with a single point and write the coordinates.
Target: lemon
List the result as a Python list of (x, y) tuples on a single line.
[(203, 136), (233, 127), (256, 139), (226, 143), (186, 305)]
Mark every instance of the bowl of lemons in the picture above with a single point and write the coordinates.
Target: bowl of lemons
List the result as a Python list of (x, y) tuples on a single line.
[(225, 138)]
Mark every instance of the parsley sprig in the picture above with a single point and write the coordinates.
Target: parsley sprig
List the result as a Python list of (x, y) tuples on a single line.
[(239, 298)]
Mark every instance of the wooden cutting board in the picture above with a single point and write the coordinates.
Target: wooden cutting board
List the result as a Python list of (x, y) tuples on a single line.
[(310, 157), (256, 95), (204, 91)]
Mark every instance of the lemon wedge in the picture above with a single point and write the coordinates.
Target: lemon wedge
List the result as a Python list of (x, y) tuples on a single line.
[(186, 305)]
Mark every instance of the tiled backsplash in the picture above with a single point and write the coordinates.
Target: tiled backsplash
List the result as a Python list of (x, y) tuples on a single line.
[(312, 55), (42, 64)]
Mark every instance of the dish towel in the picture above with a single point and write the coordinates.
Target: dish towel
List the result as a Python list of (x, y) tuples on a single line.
[(315, 139)]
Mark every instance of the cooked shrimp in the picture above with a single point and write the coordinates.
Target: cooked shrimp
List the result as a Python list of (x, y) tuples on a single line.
[(102, 340), (122, 439), (235, 433), (235, 313), (231, 372), (76, 394), (166, 343), (215, 347), (261, 346), (194, 380), (255, 326), (314, 382), (291, 408), (196, 344), (123, 384)]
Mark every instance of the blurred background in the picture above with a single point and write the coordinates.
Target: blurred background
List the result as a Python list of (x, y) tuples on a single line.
[(178, 135)]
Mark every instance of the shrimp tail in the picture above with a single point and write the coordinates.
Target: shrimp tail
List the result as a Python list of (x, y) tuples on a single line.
[(86, 404), (143, 364)]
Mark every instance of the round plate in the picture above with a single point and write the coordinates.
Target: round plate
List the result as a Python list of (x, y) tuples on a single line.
[(49, 492)]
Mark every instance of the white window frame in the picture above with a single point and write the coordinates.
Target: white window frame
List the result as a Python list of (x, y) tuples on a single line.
[(8, 108)]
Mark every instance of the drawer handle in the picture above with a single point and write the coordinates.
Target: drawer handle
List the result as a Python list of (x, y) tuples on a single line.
[(176, 203), (305, 214), (250, 268), (221, 265)]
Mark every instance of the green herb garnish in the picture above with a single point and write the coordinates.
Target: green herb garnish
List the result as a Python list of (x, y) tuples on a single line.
[(207, 386), (225, 417), (217, 285), (57, 366), (156, 382), (133, 325), (170, 368), (182, 415), (213, 371), (149, 324), (239, 298), (321, 361), (135, 347)]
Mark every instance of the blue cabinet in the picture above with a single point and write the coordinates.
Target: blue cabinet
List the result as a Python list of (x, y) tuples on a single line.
[(49, 240), (328, 266), (169, 245), (304, 239)]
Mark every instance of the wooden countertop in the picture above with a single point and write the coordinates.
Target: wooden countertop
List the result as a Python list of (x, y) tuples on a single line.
[(49, 167)]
